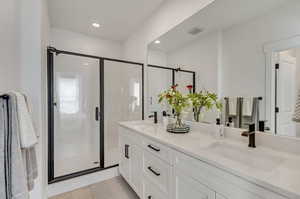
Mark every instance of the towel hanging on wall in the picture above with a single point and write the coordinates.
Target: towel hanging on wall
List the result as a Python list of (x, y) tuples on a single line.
[(232, 105), (296, 117), (28, 136), (247, 106), (13, 179), (19, 170)]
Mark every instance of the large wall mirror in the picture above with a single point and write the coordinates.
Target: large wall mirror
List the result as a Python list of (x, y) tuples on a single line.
[(248, 52)]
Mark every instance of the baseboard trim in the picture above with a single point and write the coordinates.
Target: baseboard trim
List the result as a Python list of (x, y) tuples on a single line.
[(82, 181)]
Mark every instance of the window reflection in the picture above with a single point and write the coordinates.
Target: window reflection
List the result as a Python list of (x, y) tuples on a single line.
[(68, 95), (136, 92), (134, 95)]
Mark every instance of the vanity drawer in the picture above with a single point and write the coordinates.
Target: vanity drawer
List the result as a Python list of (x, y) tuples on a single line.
[(229, 185), (157, 171), (151, 191), (134, 137), (157, 149)]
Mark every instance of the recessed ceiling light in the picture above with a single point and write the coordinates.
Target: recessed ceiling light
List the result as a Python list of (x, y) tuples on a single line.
[(96, 25), (157, 42)]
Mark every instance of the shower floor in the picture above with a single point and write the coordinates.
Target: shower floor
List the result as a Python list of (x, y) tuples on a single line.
[(115, 188), (64, 166), (74, 164)]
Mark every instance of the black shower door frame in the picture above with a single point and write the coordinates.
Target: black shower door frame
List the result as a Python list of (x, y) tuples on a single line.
[(174, 70), (51, 51)]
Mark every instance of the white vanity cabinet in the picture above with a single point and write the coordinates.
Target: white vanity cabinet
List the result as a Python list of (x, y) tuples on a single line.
[(187, 188), (156, 171), (130, 165)]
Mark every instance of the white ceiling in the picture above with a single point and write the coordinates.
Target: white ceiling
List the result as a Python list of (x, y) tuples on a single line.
[(118, 18), (219, 15)]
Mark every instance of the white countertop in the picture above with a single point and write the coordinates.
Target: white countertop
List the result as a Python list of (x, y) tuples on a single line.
[(274, 170)]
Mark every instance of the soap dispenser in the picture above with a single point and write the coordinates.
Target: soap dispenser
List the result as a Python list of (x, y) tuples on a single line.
[(219, 129)]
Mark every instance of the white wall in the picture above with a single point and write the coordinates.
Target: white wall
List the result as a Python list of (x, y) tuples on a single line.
[(9, 41), (200, 56), (45, 40), (33, 39), (21, 65), (170, 14), (243, 56), (157, 57), (77, 42)]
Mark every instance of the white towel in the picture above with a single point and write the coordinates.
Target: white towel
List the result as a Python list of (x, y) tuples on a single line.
[(28, 136), (232, 105), (247, 106), (296, 116)]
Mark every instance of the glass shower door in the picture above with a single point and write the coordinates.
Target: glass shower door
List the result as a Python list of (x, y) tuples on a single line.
[(183, 79), (123, 101), (76, 93), (159, 80)]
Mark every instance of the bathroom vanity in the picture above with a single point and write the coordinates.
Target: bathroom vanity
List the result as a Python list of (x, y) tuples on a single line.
[(160, 165)]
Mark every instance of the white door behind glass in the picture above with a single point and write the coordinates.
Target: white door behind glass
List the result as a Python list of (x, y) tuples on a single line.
[(286, 95)]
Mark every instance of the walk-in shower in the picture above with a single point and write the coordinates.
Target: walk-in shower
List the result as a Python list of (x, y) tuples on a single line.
[(87, 96)]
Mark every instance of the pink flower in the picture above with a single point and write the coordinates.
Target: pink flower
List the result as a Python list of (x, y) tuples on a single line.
[(190, 88), (174, 86)]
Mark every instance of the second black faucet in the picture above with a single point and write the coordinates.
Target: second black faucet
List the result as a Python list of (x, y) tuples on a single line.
[(154, 116)]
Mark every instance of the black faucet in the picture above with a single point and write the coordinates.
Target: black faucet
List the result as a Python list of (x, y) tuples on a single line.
[(154, 116), (261, 125), (251, 135)]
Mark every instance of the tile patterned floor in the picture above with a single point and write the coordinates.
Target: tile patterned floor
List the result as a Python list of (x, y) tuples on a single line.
[(115, 188)]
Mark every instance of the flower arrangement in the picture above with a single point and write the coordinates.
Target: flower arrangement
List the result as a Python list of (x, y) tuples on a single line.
[(177, 101), (197, 100), (201, 100)]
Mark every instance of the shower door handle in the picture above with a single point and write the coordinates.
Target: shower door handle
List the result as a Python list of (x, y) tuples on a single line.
[(127, 151), (97, 113)]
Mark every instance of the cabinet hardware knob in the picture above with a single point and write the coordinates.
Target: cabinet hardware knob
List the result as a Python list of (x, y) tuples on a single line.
[(97, 113), (126, 151), (154, 148), (153, 171)]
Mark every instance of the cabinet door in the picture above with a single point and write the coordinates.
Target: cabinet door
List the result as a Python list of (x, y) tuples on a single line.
[(151, 191), (124, 161), (186, 187), (136, 168), (218, 196)]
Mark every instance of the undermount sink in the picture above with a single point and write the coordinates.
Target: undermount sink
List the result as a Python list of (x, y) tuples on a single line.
[(251, 158), (145, 125)]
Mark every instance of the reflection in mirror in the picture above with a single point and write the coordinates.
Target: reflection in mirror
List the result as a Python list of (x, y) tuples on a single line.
[(161, 76), (229, 45), (160, 79), (287, 86), (240, 112)]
